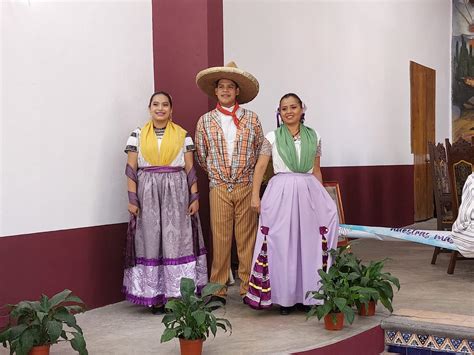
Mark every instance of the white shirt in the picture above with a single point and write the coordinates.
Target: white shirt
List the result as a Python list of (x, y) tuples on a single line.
[(229, 129)]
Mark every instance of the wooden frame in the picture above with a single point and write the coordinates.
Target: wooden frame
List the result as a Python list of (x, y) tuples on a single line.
[(332, 187)]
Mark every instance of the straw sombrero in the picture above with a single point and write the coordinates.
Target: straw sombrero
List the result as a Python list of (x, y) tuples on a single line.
[(206, 80)]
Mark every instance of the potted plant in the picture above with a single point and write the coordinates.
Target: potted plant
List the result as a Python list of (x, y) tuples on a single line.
[(373, 285), (190, 317), (338, 297), (35, 325)]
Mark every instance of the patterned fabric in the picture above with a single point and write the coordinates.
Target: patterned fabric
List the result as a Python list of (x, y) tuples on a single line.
[(133, 145), (168, 243), (211, 150), (463, 227), (319, 151), (406, 342), (259, 295), (323, 230), (266, 148)]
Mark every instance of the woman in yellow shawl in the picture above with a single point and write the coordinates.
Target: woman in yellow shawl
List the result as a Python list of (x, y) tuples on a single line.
[(164, 239)]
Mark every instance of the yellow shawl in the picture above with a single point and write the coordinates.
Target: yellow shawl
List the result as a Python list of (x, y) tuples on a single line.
[(171, 145)]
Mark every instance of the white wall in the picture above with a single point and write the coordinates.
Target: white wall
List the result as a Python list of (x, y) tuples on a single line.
[(76, 77), (349, 61)]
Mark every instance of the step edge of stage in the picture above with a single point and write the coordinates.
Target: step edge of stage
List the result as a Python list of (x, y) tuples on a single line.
[(411, 325)]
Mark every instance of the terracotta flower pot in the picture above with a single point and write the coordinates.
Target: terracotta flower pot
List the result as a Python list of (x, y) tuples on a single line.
[(363, 311), (329, 324), (191, 347), (40, 350)]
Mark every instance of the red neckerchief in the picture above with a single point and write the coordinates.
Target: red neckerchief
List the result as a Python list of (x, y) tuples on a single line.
[(229, 113)]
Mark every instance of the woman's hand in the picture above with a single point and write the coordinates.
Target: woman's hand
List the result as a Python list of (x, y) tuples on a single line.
[(193, 207), (255, 203), (133, 209)]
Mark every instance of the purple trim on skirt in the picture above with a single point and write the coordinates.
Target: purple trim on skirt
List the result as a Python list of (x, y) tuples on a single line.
[(152, 301), (162, 169), (144, 301), (255, 305), (263, 296), (260, 269), (171, 261)]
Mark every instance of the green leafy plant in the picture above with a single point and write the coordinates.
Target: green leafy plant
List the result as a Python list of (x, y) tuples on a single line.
[(337, 294), (349, 282), (190, 317), (36, 323), (372, 284)]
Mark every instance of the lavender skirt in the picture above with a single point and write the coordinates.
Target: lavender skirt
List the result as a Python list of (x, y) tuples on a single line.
[(302, 223), (168, 242)]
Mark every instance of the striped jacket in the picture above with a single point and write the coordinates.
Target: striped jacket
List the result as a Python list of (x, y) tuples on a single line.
[(211, 150)]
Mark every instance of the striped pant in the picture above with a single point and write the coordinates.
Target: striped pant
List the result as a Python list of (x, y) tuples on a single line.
[(231, 215)]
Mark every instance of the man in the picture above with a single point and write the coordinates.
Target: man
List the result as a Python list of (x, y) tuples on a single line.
[(228, 142), (463, 227)]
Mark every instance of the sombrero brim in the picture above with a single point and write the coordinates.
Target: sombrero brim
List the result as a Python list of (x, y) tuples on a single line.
[(248, 85)]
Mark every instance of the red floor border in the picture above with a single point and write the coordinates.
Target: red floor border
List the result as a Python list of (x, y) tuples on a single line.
[(370, 342)]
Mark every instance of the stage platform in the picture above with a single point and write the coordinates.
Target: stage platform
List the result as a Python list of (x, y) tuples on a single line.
[(429, 299)]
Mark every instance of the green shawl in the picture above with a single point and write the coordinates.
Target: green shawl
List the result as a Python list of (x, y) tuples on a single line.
[(286, 148)]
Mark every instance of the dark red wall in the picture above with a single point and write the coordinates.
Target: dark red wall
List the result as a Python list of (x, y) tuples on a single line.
[(188, 37), (370, 342), (375, 195), (89, 261)]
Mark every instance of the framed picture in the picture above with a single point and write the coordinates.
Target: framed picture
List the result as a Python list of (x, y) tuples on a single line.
[(332, 188)]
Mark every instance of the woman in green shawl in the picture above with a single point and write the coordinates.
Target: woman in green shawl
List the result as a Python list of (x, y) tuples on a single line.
[(298, 219)]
